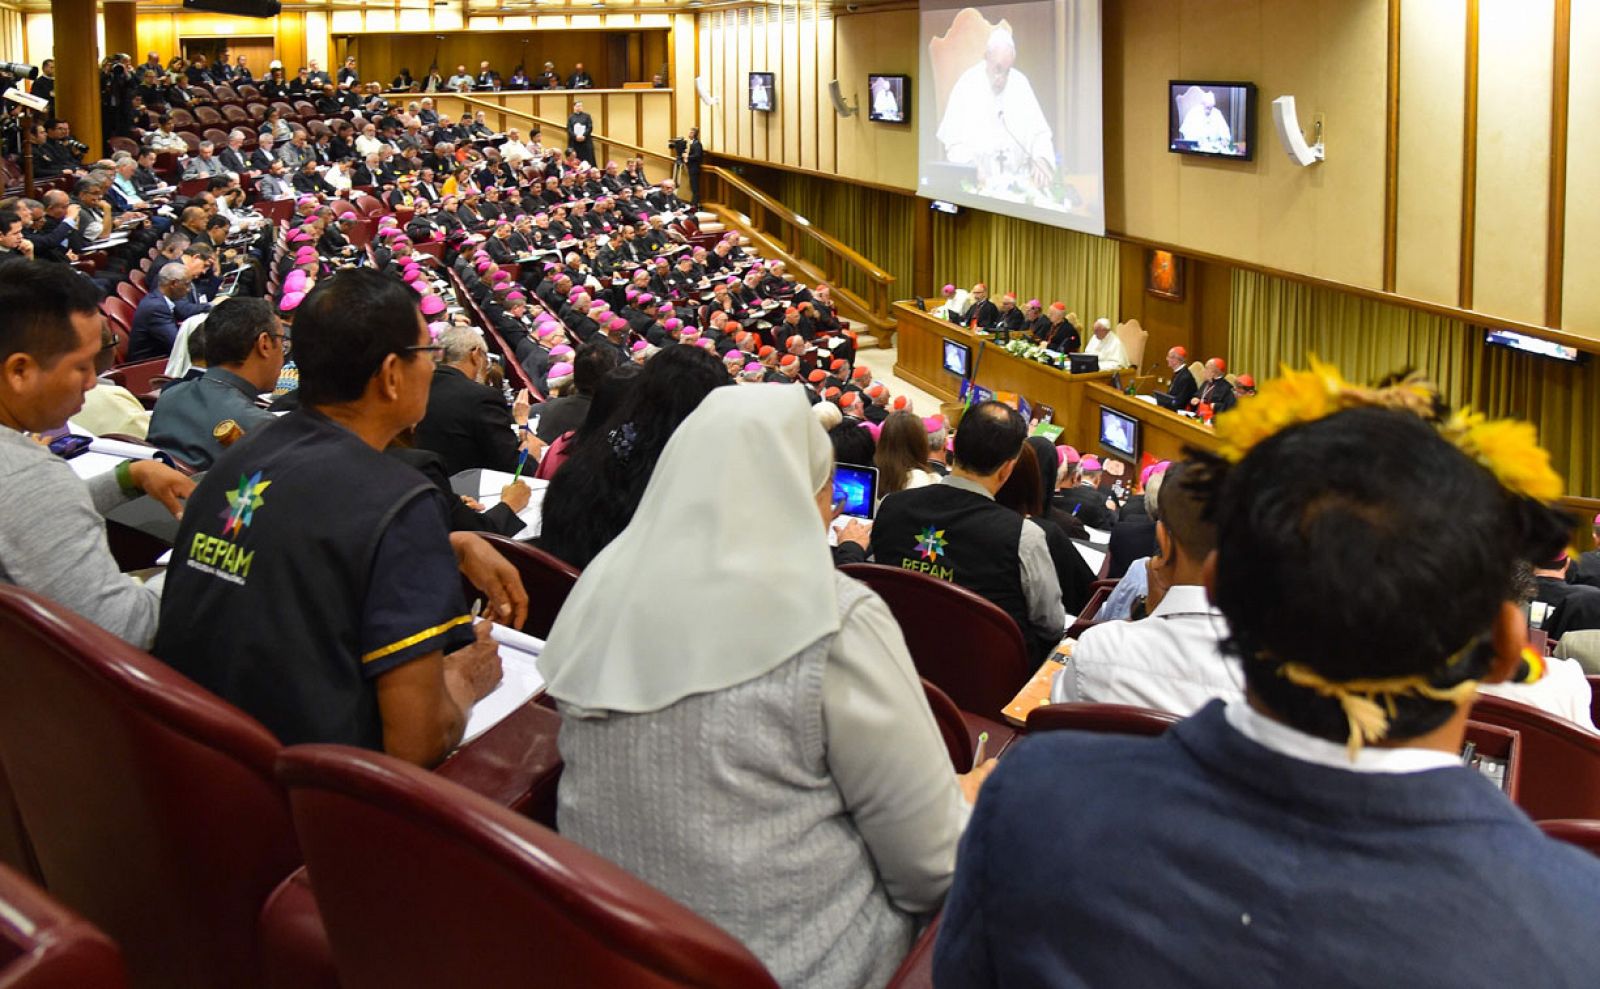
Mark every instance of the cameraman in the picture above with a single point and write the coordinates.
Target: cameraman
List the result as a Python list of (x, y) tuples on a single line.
[(117, 89), (693, 155)]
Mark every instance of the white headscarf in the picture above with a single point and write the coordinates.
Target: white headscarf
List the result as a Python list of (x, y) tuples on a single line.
[(724, 572)]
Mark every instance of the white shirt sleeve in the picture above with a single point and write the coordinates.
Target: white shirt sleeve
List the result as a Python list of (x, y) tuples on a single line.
[(889, 760), (1039, 583)]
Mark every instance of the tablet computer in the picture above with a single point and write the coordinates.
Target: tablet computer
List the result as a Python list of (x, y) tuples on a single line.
[(856, 489)]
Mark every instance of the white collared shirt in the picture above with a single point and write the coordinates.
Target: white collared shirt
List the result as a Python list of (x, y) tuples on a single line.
[(1170, 661), (1282, 739)]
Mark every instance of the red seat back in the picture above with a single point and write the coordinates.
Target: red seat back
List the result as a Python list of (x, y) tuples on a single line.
[(548, 581), (150, 803), (965, 645), (43, 945), (952, 727), (1560, 772), (1112, 719), (131, 294), (422, 883), (1584, 834), (16, 850)]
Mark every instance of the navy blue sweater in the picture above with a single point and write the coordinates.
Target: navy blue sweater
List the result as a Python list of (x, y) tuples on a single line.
[(1204, 859)]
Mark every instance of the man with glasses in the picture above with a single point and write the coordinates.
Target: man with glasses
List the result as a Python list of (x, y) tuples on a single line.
[(315, 583), (245, 349)]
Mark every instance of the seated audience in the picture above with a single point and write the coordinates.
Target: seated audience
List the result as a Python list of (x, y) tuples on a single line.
[(594, 495), (468, 424), (309, 519), (902, 455), (566, 412), (1084, 498), (155, 323), (777, 769), (1133, 535), (52, 535), (1364, 618), (1560, 606), (1171, 660), (1025, 492), (244, 352), (108, 407), (955, 531)]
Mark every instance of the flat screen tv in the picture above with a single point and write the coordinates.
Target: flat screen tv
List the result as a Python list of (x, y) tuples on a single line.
[(1119, 433), (763, 91), (888, 98), (1213, 119), (1512, 340), (957, 358)]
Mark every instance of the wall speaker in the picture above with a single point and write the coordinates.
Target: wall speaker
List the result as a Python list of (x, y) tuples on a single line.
[(840, 105), (1294, 142)]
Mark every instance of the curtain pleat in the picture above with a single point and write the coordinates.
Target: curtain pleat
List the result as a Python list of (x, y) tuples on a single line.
[(1274, 322), (1033, 260)]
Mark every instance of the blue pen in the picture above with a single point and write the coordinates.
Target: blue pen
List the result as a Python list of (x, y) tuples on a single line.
[(522, 461), (1075, 510)]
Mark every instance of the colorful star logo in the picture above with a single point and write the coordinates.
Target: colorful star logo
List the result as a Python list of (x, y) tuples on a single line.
[(242, 504), (931, 544)]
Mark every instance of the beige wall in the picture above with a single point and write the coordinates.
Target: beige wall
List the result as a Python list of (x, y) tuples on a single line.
[(807, 46)]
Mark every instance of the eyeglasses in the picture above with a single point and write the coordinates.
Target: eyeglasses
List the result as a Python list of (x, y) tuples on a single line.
[(432, 348)]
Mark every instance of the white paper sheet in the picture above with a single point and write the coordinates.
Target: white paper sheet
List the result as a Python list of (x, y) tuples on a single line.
[(489, 484), (520, 681)]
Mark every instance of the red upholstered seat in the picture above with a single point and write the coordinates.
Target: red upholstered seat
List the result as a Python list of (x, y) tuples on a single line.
[(424, 884), (965, 645), (1115, 719), (1560, 775), (1584, 834), (15, 849), (43, 945), (547, 580), (150, 803)]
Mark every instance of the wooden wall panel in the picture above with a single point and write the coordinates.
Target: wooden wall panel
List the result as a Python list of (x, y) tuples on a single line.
[(1432, 77), (1515, 47), (1580, 309)]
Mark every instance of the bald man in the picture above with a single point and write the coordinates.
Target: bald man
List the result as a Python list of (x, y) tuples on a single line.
[(1183, 388)]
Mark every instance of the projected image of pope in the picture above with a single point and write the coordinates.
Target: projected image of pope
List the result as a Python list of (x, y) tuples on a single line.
[(994, 121), (1206, 126)]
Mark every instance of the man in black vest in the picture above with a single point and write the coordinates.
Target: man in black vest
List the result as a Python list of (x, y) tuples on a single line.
[(955, 531), (314, 581), (1183, 386)]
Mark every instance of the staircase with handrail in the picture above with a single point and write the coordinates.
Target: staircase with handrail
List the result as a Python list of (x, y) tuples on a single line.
[(773, 229)]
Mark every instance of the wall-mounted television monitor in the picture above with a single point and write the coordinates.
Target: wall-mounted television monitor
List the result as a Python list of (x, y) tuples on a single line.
[(888, 98), (1512, 340), (1214, 119), (763, 91), (957, 358), (1119, 433)]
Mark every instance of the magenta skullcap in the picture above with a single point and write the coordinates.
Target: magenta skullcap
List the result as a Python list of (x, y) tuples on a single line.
[(402, 241), (645, 299), (295, 281), (307, 253), (411, 274), (296, 235), (436, 330), (579, 298), (673, 324), (1090, 463), (754, 367), (544, 331), (1033, 304), (874, 428), (949, 288), (933, 423), (632, 294), (559, 374), (733, 357), (1152, 470), (420, 287), (514, 297), (290, 301), (1067, 454), (484, 266), (388, 221), (348, 215), (561, 350), (306, 201), (617, 324), (638, 346), (502, 276), (432, 305)]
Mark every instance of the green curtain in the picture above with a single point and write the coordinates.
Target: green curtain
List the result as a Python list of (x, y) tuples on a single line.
[(1033, 260), (876, 223), (1277, 322)]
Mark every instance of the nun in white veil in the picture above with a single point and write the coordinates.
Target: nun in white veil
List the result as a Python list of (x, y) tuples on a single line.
[(743, 726)]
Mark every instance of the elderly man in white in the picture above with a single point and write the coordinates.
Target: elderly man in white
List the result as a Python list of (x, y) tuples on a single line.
[(994, 121), (1106, 345), (1206, 126)]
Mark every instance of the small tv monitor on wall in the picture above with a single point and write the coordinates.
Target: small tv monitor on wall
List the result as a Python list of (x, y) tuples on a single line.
[(763, 91), (889, 98), (1214, 119)]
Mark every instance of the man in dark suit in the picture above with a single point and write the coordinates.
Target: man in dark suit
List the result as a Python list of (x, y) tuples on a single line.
[(580, 80), (694, 156), (467, 424), (1183, 387), (1216, 391), (1010, 320), (982, 314), (580, 132), (155, 325), (1086, 500), (1060, 335)]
